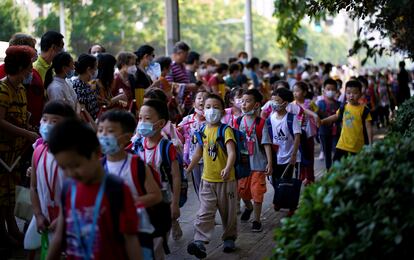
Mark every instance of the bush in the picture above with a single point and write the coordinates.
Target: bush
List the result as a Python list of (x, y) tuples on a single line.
[(362, 209)]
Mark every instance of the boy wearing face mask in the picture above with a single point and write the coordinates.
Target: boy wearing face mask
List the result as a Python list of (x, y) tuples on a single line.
[(218, 189), (152, 118), (327, 106), (46, 177), (115, 129), (287, 142)]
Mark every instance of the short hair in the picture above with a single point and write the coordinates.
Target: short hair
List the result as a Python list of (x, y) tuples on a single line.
[(363, 80), (330, 81), (236, 92), (258, 97), (160, 107), (156, 93), (22, 39), (192, 57), (211, 61), (124, 118), (216, 97), (100, 46), (353, 84), (284, 93), (284, 83), (84, 62), (242, 53), (181, 46), (234, 67), (18, 58), (232, 60), (264, 64), (277, 66), (123, 58), (165, 62), (222, 67), (60, 108), (50, 38), (106, 65), (73, 135), (401, 64), (144, 50), (254, 61), (61, 60), (303, 86)]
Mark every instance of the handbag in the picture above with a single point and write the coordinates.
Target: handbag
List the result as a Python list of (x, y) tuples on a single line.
[(287, 191), (23, 208)]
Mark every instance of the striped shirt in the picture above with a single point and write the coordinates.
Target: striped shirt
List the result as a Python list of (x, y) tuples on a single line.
[(178, 74)]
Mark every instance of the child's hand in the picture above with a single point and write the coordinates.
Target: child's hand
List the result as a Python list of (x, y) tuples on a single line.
[(29, 172), (225, 174), (269, 169), (53, 225), (293, 159), (318, 122), (41, 223)]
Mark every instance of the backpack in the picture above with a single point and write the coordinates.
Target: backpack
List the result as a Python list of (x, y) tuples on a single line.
[(157, 212), (259, 124), (364, 116), (303, 138), (37, 153), (242, 163), (165, 167)]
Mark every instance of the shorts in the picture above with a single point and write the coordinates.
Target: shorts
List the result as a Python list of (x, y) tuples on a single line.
[(253, 187)]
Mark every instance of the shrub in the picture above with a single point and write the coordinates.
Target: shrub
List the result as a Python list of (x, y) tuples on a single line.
[(363, 208)]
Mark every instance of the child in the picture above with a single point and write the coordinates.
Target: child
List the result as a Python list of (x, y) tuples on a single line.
[(152, 118), (328, 106), (234, 110), (46, 177), (286, 139), (98, 218), (267, 109), (188, 127), (260, 155), (356, 128), (218, 189), (114, 132)]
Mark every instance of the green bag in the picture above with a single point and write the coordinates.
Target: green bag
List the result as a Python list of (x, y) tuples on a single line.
[(45, 245)]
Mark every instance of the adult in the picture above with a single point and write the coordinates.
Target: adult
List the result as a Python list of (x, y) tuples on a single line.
[(191, 65), (14, 136), (96, 49), (216, 83), (403, 79), (125, 77), (87, 68), (145, 55), (234, 72), (253, 67), (33, 84), (243, 57)]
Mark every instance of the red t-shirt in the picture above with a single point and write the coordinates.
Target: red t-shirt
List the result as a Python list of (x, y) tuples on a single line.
[(106, 246), (35, 94)]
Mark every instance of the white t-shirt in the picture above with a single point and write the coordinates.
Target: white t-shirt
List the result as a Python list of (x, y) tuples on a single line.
[(60, 89), (283, 138)]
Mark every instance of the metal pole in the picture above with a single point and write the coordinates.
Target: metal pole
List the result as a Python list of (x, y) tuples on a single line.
[(248, 41), (172, 25), (62, 18)]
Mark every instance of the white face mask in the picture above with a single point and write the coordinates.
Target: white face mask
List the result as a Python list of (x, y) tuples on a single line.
[(212, 115), (330, 93), (132, 70)]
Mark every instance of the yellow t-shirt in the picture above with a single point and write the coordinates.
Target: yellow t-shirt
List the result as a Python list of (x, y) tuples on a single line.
[(215, 159), (352, 134), (42, 67)]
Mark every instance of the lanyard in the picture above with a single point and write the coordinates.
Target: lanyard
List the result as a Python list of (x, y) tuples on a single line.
[(122, 167), (153, 155), (53, 178), (249, 132), (87, 245)]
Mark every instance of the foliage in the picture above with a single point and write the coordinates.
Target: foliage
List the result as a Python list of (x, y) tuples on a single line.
[(12, 19), (392, 18), (363, 208), (404, 122)]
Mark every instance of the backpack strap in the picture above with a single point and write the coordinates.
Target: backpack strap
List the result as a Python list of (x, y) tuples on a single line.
[(290, 118), (138, 174), (221, 136), (199, 135), (164, 148), (260, 122), (268, 123), (37, 153), (114, 191), (237, 122)]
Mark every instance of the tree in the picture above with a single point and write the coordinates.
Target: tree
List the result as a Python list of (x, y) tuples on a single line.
[(392, 18), (12, 19)]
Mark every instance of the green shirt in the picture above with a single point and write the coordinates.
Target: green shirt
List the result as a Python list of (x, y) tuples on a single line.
[(42, 67)]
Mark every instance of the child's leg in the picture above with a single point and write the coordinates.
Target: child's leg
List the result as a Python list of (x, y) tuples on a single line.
[(197, 172), (204, 223), (227, 206), (310, 172), (258, 189), (244, 192)]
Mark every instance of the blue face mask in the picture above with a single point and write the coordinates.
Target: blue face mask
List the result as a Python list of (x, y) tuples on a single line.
[(109, 144), (70, 74), (145, 129), (44, 130), (28, 79)]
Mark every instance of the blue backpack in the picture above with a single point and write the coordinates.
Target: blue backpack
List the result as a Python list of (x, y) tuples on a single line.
[(242, 163)]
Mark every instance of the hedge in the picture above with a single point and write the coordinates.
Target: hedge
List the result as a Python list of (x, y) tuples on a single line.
[(363, 208)]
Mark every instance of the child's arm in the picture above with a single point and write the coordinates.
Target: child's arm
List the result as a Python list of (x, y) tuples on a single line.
[(175, 172), (268, 151), (196, 158), (132, 246), (329, 120), (41, 222), (295, 149), (153, 195), (231, 159), (55, 247), (369, 131)]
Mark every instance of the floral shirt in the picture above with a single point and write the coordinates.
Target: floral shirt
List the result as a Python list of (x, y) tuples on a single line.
[(87, 96)]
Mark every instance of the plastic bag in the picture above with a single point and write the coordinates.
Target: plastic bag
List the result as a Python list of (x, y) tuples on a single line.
[(145, 225), (32, 239)]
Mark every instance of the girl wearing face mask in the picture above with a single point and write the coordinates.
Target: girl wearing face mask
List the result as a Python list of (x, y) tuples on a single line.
[(46, 177), (87, 69), (188, 127), (327, 106), (126, 64), (234, 110)]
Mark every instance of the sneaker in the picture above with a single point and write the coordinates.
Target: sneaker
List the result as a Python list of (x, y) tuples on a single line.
[(257, 226), (290, 213), (229, 246), (197, 249), (246, 215), (276, 207)]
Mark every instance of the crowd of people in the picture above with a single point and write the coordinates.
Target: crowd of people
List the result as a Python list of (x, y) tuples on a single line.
[(109, 142)]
